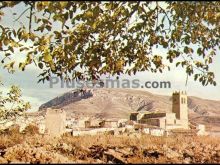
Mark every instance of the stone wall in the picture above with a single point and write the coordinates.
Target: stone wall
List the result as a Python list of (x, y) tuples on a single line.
[(180, 107), (153, 115), (170, 118), (156, 132), (92, 131), (55, 122), (153, 121), (111, 124), (162, 122), (133, 116)]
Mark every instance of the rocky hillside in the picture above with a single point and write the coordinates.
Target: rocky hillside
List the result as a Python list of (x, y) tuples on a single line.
[(119, 103)]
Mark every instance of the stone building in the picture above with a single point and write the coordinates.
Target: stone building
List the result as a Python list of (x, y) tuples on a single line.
[(94, 123), (177, 118), (180, 108), (55, 124), (111, 123), (103, 123)]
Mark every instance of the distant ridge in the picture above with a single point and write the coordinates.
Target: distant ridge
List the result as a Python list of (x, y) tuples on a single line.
[(68, 97)]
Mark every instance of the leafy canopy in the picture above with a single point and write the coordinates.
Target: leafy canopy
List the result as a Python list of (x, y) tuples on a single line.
[(88, 39)]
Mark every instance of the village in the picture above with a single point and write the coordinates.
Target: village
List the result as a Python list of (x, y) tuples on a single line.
[(55, 122)]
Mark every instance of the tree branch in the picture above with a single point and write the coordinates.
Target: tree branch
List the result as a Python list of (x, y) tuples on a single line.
[(187, 76), (3, 6), (22, 14), (170, 22), (132, 12), (157, 16), (30, 18)]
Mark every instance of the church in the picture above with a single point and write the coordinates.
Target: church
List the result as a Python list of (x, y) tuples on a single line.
[(176, 119)]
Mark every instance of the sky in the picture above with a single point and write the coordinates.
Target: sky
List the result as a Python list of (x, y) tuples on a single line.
[(39, 93)]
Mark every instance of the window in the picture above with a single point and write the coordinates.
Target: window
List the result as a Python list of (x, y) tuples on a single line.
[(182, 100)]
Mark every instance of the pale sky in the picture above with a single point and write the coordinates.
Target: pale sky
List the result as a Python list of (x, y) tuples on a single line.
[(38, 94)]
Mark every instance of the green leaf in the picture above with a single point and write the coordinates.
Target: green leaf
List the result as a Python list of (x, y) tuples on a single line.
[(199, 51), (40, 65), (214, 83), (94, 25), (177, 64), (89, 14), (47, 57)]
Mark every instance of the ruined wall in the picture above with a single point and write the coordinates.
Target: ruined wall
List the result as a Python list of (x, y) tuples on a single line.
[(157, 132), (110, 124), (169, 127), (133, 116), (153, 115), (153, 122), (55, 122), (87, 124)]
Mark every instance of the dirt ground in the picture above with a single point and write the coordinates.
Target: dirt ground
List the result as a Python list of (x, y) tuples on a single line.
[(31, 147)]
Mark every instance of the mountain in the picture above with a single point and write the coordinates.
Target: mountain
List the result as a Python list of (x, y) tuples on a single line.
[(119, 103)]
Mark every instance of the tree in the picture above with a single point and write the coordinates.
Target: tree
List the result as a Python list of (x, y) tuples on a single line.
[(12, 106), (87, 39)]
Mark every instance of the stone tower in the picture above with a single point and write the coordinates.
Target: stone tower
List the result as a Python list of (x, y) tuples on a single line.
[(55, 122), (179, 107)]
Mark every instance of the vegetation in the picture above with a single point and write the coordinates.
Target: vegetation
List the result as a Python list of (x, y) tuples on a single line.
[(31, 147), (12, 106), (84, 40)]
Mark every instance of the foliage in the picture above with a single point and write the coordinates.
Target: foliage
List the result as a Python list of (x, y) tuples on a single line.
[(88, 39), (12, 105)]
